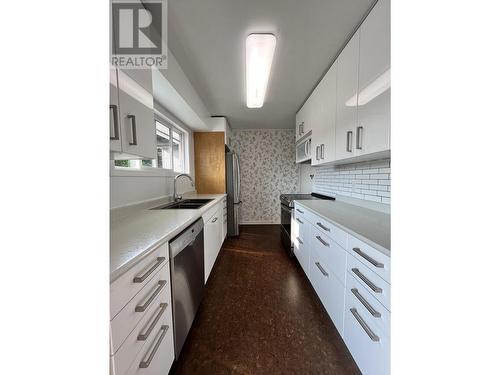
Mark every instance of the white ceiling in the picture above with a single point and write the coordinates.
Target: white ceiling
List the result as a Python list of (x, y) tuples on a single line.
[(207, 38)]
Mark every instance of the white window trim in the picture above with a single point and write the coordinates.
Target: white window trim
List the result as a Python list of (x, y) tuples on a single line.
[(152, 171)]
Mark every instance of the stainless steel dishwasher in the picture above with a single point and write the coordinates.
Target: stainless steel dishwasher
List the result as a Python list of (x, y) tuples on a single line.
[(187, 270)]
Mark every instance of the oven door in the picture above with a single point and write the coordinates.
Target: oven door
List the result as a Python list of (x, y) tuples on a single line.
[(286, 228)]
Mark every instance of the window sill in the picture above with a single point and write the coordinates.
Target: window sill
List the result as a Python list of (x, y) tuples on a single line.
[(152, 172)]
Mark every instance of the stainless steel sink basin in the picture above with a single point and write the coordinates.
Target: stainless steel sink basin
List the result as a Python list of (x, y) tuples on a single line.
[(185, 204)]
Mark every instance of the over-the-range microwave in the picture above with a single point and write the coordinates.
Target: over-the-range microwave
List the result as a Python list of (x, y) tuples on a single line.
[(303, 149)]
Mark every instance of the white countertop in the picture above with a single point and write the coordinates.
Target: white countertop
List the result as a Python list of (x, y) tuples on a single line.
[(370, 226), (136, 230)]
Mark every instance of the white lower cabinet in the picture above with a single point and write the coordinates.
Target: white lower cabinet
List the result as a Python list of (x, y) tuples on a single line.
[(141, 333), (353, 286), (213, 232), (368, 343), (301, 247), (329, 289)]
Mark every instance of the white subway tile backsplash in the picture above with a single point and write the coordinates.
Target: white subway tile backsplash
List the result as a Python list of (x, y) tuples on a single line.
[(367, 180)]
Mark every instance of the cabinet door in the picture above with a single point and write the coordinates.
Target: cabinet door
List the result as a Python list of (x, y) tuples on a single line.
[(211, 236), (114, 113), (137, 119), (374, 98), (323, 132), (347, 90), (329, 289)]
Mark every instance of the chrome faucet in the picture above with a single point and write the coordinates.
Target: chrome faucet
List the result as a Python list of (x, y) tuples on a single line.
[(178, 197)]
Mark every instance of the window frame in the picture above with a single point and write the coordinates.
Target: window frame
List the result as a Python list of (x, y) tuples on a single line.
[(156, 171)]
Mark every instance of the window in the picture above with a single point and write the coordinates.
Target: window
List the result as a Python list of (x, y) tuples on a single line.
[(170, 150)]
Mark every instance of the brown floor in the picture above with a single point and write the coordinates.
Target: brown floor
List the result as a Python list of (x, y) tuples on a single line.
[(260, 315)]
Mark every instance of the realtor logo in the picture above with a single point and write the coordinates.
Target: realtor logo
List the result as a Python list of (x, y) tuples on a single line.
[(139, 33)]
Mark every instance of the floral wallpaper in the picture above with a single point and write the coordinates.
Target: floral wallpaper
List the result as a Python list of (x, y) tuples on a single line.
[(268, 169)]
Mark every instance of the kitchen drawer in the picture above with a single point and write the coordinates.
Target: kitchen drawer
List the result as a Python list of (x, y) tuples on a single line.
[(301, 246), (328, 288), (370, 257), (124, 288), (374, 284), (158, 288), (157, 353), (333, 255), (368, 344), (370, 309), (332, 231), (159, 314), (301, 228)]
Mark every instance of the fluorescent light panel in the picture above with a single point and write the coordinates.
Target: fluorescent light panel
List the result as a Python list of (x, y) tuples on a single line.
[(381, 84), (259, 57)]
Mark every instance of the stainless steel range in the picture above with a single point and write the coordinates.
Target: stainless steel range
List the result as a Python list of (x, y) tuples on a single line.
[(287, 215)]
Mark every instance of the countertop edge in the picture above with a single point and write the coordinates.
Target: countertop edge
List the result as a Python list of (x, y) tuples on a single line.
[(373, 244), (122, 269)]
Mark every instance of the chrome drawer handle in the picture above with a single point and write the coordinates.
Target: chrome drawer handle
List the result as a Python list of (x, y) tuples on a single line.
[(142, 308), (299, 221), (145, 335), (147, 362), (365, 326), (140, 279), (321, 269), (114, 110), (372, 286), (323, 227), (134, 131), (214, 220), (300, 241), (365, 303), (300, 211), (358, 251), (322, 241)]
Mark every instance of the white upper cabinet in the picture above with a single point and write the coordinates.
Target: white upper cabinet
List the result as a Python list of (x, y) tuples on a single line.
[(347, 91), (138, 134), (374, 98), (304, 119), (114, 112), (324, 103)]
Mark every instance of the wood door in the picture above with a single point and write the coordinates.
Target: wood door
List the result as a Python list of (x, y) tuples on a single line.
[(210, 162)]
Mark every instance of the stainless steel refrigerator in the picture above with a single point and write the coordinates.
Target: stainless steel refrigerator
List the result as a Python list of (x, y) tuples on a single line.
[(233, 188)]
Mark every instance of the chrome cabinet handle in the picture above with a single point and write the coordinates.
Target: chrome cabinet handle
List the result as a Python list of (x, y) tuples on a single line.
[(317, 152), (142, 308), (323, 241), (321, 269), (372, 286), (348, 147), (300, 241), (365, 326), (114, 110), (322, 151), (145, 335), (299, 221), (147, 362), (140, 279), (323, 227), (365, 303), (359, 134), (299, 210), (134, 131), (214, 220), (358, 251)]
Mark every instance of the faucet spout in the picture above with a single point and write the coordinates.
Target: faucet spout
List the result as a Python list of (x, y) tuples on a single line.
[(178, 197)]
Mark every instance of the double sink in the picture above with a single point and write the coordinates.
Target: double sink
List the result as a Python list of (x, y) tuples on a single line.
[(186, 204)]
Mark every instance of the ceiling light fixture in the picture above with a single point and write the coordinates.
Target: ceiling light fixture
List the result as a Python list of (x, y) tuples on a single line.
[(259, 58), (381, 84)]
